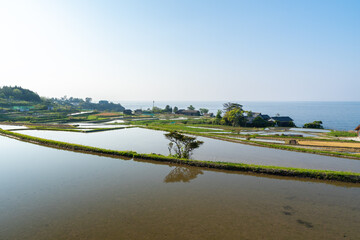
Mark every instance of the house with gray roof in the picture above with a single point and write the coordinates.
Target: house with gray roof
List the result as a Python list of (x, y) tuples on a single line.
[(283, 121), (254, 115), (188, 112)]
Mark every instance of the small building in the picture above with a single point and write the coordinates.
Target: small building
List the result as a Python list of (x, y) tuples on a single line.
[(283, 121), (147, 112), (291, 141), (127, 112), (138, 112), (208, 115), (251, 118), (188, 112), (265, 117)]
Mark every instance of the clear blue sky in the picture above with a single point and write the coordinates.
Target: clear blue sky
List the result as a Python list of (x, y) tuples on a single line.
[(183, 50)]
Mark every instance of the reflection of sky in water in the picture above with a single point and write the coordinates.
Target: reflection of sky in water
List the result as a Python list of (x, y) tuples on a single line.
[(310, 130), (151, 141), (277, 132), (115, 121), (94, 125), (54, 194), (11, 127)]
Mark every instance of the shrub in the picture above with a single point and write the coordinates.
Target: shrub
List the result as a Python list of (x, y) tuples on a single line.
[(260, 123), (314, 124)]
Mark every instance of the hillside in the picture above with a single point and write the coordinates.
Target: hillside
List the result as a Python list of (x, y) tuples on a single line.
[(18, 94), (19, 104)]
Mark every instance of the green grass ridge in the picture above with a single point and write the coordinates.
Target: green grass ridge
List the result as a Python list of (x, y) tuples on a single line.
[(88, 130), (272, 170), (263, 144)]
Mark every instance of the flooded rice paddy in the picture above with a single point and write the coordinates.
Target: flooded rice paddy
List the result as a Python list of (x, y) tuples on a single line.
[(287, 133), (115, 121), (12, 127), (96, 125), (305, 132), (151, 141), (47, 193), (310, 130), (272, 131)]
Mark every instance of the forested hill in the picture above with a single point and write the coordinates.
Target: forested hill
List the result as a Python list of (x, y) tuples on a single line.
[(18, 93), (18, 96)]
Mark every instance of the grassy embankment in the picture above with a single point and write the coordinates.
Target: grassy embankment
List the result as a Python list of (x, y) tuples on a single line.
[(62, 127), (334, 133), (330, 136), (168, 125), (272, 170), (183, 128), (269, 145), (49, 128), (305, 138), (56, 115)]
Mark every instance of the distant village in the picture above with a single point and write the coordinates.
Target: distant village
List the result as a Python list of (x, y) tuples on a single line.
[(249, 118), (18, 104)]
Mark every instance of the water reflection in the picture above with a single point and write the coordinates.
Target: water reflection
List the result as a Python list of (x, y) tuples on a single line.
[(182, 174), (47, 193), (148, 141), (12, 127)]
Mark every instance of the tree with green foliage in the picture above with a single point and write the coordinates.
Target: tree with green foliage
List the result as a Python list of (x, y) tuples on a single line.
[(314, 124), (175, 109), (218, 117), (260, 122), (285, 124), (168, 109), (156, 110), (234, 117), (191, 107), (19, 94), (230, 106), (203, 111), (218, 114), (183, 145)]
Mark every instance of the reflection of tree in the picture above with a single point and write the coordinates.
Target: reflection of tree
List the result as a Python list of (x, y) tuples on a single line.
[(182, 174)]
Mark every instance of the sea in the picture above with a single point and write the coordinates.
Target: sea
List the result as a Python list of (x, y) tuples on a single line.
[(334, 115)]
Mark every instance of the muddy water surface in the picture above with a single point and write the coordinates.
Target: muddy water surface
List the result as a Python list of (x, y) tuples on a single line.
[(53, 194)]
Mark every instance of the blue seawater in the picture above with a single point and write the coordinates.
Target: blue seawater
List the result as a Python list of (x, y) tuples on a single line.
[(334, 115)]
